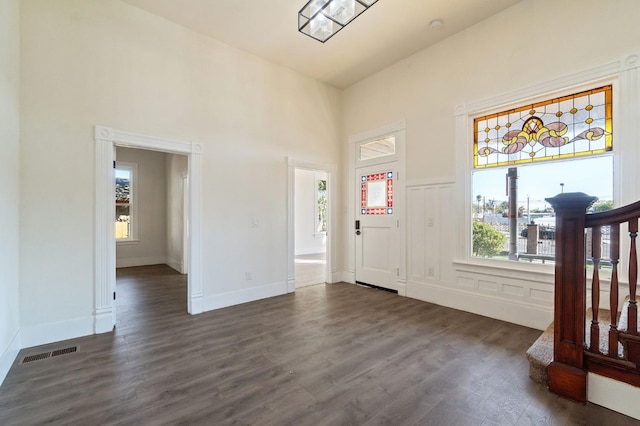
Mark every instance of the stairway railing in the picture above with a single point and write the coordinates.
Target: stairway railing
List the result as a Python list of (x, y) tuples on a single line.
[(572, 359)]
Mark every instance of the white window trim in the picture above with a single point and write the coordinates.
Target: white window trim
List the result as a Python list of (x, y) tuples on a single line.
[(623, 74), (133, 202)]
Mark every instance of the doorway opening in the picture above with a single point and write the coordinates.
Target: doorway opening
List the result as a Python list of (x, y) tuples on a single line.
[(310, 220), (376, 174), (310, 194), (107, 139), (151, 226)]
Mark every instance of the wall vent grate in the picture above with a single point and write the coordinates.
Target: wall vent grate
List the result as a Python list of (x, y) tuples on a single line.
[(37, 357), (65, 351)]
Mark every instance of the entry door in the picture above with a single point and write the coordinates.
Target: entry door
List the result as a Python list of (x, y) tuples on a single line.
[(377, 227)]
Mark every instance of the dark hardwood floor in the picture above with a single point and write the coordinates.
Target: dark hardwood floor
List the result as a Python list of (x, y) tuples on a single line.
[(329, 355)]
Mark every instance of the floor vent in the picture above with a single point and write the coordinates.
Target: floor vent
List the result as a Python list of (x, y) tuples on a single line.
[(65, 351), (46, 355), (36, 357)]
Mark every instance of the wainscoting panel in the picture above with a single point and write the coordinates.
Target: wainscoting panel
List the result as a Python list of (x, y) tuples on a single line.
[(515, 292), (429, 234)]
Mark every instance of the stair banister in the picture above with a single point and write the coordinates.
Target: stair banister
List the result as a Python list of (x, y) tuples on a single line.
[(567, 375)]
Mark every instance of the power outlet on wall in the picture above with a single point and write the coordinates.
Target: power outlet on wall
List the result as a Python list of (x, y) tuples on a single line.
[(248, 276)]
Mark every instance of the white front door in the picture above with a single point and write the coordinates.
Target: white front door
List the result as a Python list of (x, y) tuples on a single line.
[(377, 227)]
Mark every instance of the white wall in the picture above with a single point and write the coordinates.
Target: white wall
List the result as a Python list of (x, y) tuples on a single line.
[(307, 241), (177, 167), (151, 245), (103, 62), (532, 42), (9, 176)]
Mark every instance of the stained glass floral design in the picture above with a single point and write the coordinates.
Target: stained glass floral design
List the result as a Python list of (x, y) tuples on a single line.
[(569, 126)]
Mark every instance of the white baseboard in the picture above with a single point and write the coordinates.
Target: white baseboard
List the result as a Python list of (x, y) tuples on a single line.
[(104, 321), (614, 395), (511, 311), (223, 300), (402, 287), (140, 261), (196, 304), (42, 334), (176, 265), (9, 355), (344, 276)]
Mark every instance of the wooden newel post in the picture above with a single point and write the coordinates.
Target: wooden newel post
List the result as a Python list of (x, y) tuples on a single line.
[(567, 376)]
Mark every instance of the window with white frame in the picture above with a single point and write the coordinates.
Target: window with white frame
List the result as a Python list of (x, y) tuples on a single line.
[(382, 147), (527, 154), (125, 201), (321, 206)]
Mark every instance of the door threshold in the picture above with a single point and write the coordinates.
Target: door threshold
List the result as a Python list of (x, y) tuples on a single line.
[(377, 287)]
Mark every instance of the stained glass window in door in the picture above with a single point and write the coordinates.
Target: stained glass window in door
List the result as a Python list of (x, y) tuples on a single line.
[(376, 194)]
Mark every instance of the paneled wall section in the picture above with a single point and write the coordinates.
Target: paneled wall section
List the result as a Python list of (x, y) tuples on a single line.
[(513, 292)]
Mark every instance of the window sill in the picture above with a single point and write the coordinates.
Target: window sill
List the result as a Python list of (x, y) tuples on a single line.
[(127, 242), (523, 270), (505, 268)]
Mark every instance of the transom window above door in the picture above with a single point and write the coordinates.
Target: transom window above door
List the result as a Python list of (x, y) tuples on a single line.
[(378, 148)]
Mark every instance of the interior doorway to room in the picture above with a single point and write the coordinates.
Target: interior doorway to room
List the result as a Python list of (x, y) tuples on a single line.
[(311, 226), (107, 139), (151, 225)]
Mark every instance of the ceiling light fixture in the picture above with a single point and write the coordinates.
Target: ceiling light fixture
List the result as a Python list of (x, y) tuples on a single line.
[(322, 19)]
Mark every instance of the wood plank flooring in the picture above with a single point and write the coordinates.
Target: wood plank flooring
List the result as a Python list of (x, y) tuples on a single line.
[(310, 269), (329, 355)]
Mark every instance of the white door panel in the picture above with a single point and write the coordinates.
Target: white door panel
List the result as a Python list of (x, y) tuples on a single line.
[(377, 239)]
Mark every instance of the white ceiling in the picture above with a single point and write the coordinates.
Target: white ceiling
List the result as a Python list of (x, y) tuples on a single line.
[(389, 31)]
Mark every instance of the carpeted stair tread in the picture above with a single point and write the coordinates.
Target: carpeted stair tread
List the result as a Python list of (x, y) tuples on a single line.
[(540, 354), (622, 325), (604, 321)]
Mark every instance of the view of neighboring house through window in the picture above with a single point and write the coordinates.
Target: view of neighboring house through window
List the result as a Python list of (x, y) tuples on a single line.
[(124, 174), (321, 206), (523, 156)]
